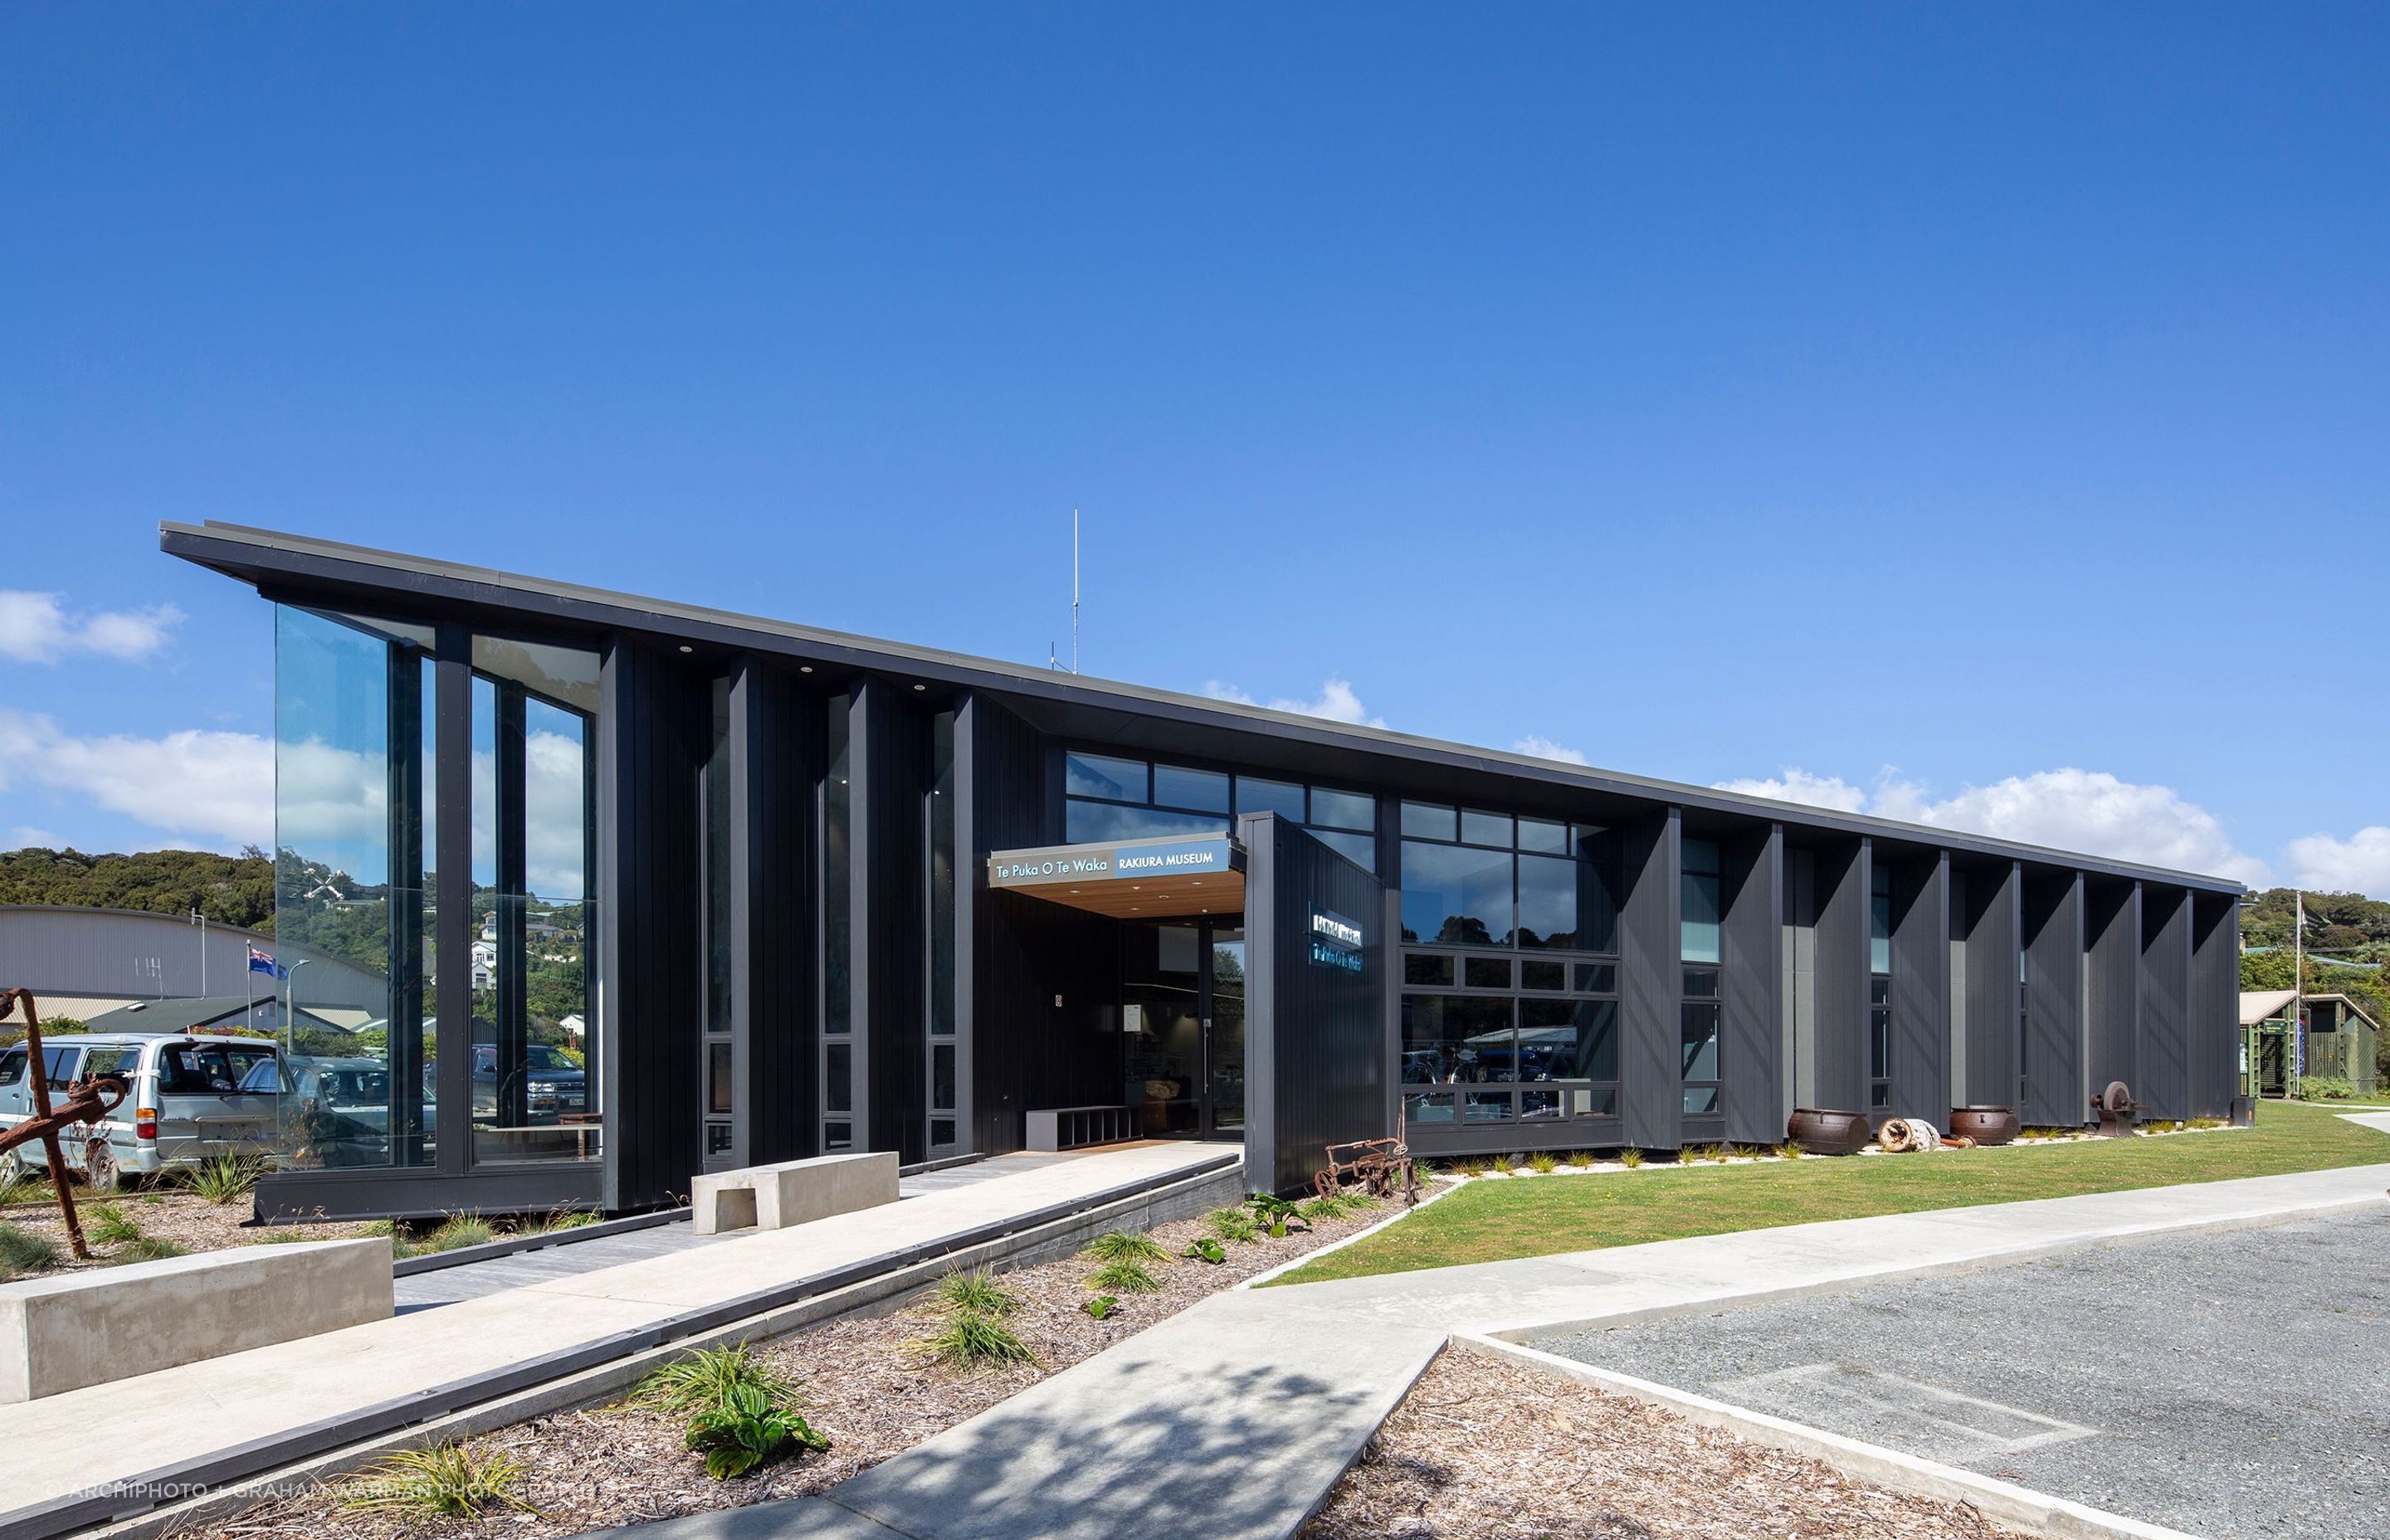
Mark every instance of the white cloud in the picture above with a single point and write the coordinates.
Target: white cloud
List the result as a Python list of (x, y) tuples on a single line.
[(2360, 864), (1537, 746), (26, 837), (2068, 809), (37, 628), (1799, 786), (198, 785), (1337, 701)]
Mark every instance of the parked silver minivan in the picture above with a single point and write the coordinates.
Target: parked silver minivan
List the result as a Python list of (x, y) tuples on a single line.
[(188, 1099)]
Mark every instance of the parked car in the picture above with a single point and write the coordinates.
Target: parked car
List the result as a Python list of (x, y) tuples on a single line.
[(337, 1109), (192, 1097)]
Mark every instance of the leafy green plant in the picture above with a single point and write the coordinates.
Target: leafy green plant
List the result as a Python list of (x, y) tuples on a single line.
[(1125, 1246), (1100, 1305), (1318, 1209), (443, 1480), (223, 1179), (976, 1288), (460, 1230), (1630, 1157), (2328, 1089), (1580, 1157), (1125, 1277), (745, 1431), (1543, 1162), (705, 1378), (1205, 1248), (1231, 1224), (970, 1339), (24, 1251), (1275, 1214), (110, 1226)]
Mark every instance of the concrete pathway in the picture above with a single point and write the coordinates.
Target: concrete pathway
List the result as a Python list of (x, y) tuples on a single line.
[(209, 1409), (524, 1269), (1235, 1417)]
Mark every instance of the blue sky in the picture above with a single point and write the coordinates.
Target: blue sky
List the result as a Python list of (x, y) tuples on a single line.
[(1902, 406)]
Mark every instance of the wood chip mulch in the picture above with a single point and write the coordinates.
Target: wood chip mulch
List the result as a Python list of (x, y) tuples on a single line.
[(1482, 1450), (861, 1384), (166, 1212)]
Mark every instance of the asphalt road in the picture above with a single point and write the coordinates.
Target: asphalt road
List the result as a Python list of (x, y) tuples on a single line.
[(2234, 1385)]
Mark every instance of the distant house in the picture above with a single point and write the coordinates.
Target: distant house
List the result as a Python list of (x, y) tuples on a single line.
[(2340, 1040), (261, 1012)]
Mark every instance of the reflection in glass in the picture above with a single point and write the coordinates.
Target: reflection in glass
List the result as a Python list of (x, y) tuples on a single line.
[(1203, 791), (1428, 821), (1700, 939), (353, 757), (1458, 1039), (1880, 921), (1568, 1039), (1427, 968), (1700, 1040), (1486, 973), (1255, 795), (1454, 897), (1484, 829), (1122, 780), (1095, 823), (1535, 973), (1342, 809), (1548, 893), (1359, 848), (1548, 837)]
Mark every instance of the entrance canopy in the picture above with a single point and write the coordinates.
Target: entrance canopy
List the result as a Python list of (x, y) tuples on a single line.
[(1131, 878)]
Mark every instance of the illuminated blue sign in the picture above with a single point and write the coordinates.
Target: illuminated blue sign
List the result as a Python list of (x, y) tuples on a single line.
[(1335, 941), (1172, 860)]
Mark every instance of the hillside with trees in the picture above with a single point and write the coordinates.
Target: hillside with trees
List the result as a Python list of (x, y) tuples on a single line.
[(2342, 929), (230, 889)]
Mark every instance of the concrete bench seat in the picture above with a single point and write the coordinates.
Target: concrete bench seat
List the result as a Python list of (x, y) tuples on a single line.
[(792, 1192), (71, 1329)]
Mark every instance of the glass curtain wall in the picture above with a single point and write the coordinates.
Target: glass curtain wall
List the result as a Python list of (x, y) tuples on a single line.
[(945, 1052), (353, 757), (1509, 978), (1109, 798), (1698, 944), (1880, 987), (837, 937), (533, 709)]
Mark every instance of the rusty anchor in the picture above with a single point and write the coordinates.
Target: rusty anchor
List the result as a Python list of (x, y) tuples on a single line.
[(86, 1101)]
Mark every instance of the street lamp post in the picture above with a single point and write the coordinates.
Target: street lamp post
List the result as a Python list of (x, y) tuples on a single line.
[(290, 1001)]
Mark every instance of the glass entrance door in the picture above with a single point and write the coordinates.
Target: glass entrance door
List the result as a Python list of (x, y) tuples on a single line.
[(1183, 1016)]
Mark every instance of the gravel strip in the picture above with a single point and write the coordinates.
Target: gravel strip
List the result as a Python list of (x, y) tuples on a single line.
[(1482, 1450), (620, 1464)]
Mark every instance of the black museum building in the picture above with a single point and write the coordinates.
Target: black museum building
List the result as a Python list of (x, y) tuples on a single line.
[(717, 890)]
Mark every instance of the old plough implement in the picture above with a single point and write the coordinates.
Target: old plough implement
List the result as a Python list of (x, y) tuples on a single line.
[(86, 1101)]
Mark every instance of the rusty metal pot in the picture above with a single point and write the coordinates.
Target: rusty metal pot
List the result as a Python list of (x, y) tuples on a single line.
[(1820, 1132), (1985, 1124)]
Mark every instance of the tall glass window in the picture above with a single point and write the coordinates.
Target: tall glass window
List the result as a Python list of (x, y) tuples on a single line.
[(944, 1128), (1701, 1009), (1880, 987), (838, 926), (354, 759), (719, 1067), (533, 706)]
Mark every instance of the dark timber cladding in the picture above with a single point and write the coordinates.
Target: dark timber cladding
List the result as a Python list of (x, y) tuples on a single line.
[(1990, 926), (774, 886), (1313, 1070)]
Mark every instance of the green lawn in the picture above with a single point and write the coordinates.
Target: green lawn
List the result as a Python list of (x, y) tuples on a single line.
[(1522, 1217)]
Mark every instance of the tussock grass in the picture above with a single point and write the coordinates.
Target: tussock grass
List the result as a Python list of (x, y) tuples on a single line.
[(24, 1251), (1125, 1246), (976, 1288), (1236, 1225), (446, 1480), (968, 1339), (1123, 1275), (223, 1179), (704, 1380)]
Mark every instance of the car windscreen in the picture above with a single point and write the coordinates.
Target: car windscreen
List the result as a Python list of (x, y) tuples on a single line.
[(539, 1056), (190, 1069)]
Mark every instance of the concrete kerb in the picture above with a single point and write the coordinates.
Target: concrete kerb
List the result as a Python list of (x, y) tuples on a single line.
[(1334, 1246), (1185, 1199), (2000, 1502)]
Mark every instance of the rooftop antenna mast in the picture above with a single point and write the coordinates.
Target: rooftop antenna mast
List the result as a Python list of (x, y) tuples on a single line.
[(1074, 590)]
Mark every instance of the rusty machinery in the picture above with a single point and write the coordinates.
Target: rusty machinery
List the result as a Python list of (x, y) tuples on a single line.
[(86, 1101)]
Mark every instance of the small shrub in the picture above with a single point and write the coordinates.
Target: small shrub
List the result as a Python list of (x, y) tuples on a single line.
[(24, 1251), (2327, 1089), (1472, 1165), (1543, 1162), (557, 1219), (444, 1480), (1318, 1209), (1100, 1305), (21, 1184), (150, 1247), (1706, 1154), (1359, 1201), (2207, 1122), (223, 1179), (1788, 1150), (1204, 1249), (1580, 1157), (460, 1230), (110, 1226), (1630, 1157), (1234, 1225), (1125, 1246), (1125, 1277), (704, 1380), (968, 1340), (1275, 1214), (976, 1288), (745, 1431)]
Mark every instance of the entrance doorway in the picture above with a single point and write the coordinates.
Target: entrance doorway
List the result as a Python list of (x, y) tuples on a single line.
[(1183, 1025)]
